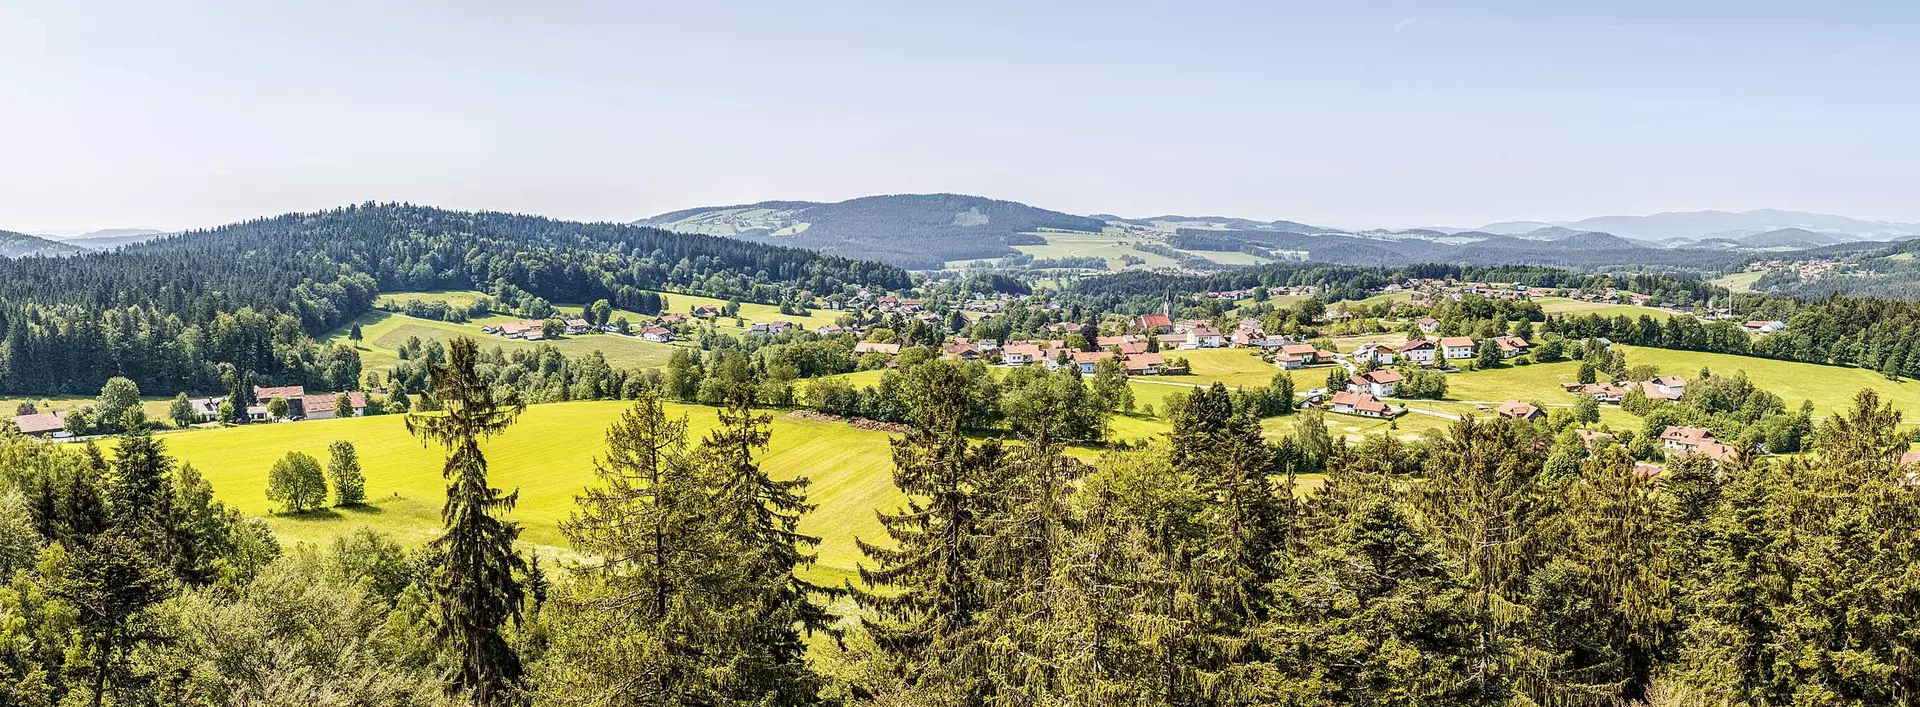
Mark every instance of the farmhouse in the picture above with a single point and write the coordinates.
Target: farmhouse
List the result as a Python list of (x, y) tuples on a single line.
[(1686, 440), (1204, 337), (1361, 404), (576, 326), (1655, 392), (1420, 351), (1145, 364), (1762, 327), (1456, 347), (1289, 361), (960, 350), (876, 347), (1429, 325), (1020, 354), (1670, 385), (1379, 383), (327, 405), (1087, 360), (657, 334), (1307, 353), (1516, 410), (1375, 352), (1603, 392), (42, 424), (1511, 346)]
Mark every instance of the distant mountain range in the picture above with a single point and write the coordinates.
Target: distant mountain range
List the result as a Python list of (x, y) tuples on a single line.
[(912, 230), (110, 238), (1689, 226), (929, 230), (15, 245)]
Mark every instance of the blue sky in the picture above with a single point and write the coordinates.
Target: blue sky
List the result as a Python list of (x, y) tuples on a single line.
[(1348, 114)]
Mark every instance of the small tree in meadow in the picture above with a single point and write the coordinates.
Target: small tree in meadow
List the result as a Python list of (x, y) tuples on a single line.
[(297, 483), (278, 408), (343, 468), (181, 411)]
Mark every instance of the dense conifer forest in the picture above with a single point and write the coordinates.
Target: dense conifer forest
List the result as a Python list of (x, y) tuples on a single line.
[(191, 312)]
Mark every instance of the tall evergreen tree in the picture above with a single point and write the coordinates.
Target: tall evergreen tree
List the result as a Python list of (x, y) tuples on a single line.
[(922, 594), (476, 584), (636, 629), (767, 605)]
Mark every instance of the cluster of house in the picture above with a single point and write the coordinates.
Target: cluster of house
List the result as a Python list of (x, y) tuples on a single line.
[(1668, 388), (1200, 334), (300, 406), (536, 329), (1131, 350), (1274, 291), (1430, 352)]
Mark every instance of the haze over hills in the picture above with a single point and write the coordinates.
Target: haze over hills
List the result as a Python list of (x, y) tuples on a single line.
[(927, 231), (1696, 225), (15, 245), (109, 238)]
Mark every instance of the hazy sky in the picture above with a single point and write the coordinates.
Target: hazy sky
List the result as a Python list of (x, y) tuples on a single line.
[(199, 112)]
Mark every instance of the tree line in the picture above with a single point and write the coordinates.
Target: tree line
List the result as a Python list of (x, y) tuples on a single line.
[(184, 312)]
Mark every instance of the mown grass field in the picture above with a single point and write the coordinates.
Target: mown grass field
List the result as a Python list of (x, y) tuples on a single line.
[(548, 456), (1562, 305), (384, 333), (1741, 281)]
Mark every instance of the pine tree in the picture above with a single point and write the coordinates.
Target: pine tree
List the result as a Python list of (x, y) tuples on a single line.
[(768, 605), (476, 586)]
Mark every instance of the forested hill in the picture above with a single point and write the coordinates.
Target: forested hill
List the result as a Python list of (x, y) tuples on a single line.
[(16, 245), (913, 230), (170, 312)]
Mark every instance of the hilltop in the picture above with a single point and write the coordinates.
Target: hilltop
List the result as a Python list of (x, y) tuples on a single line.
[(914, 230)]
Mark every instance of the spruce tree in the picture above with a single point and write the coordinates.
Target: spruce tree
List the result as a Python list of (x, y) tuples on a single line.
[(767, 605), (922, 594), (1484, 503), (636, 629), (476, 585)]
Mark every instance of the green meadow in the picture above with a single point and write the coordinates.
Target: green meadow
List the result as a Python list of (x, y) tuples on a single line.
[(548, 456)]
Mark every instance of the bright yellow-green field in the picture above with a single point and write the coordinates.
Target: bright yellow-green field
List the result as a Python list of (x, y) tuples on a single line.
[(1740, 281), (1562, 305), (384, 333), (1830, 388), (548, 456)]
